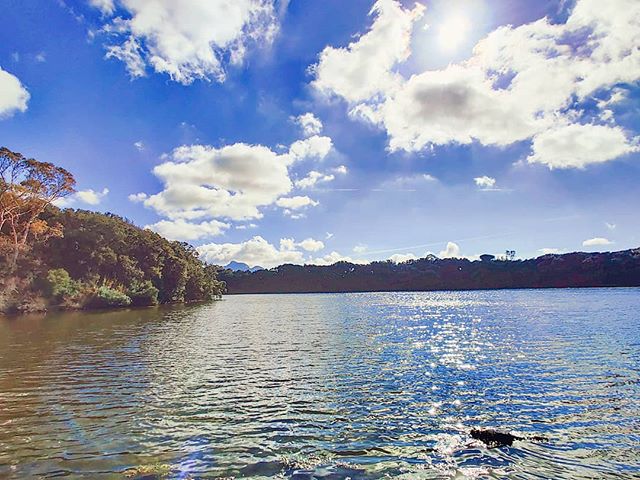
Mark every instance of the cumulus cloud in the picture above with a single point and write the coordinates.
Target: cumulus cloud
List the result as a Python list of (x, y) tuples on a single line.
[(365, 67), (402, 257), (333, 257), (187, 40), (311, 245), (308, 244), (295, 203), (550, 251), (88, 197), (229, 182), (314, 148), (138, 197), (485, 182), (139, 145), (13, 95), (313, 178), (360, 248), (310, 124), (107, 7), (451, 251), (499, 95), (596, 242), (246, 226), (182, 230), (256, 251), (576, 146)]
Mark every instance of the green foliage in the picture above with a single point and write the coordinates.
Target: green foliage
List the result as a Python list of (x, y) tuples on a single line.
[(143, 294), (60, 285), (104, 249), (105, 297), (75, 258)]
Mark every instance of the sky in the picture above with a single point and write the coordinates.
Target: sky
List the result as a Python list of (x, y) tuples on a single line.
[(275, 131)]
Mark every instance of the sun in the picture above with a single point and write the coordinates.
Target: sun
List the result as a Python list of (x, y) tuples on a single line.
[(453, 31)]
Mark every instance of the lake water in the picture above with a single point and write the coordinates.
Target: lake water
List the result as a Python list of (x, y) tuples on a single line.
[(380, 385)]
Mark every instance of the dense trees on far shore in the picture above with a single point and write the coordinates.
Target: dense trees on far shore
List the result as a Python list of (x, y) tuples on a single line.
[(79, 259), (611, 269)]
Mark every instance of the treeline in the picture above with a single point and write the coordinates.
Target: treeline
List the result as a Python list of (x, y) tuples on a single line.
[(614, 269), (79, 259)]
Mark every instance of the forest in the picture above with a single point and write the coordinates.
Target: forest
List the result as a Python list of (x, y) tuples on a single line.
[(52, 258), (611, 269)]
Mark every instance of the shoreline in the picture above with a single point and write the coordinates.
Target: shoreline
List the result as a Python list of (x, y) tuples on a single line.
[(325, 292)]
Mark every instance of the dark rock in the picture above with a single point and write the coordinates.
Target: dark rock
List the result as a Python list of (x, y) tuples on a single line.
[(493, 438)]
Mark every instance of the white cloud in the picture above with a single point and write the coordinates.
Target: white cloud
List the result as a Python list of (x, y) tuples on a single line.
[(107, 7), (139, 145), (341, 169), (91, 197), (309, 123), (360, 248), (311, 148), (187, 40), (295, 203), (549, 251), (229, 182), (311, 245), (485, 182), (332, 258), (41, 57), (138, 197), (246, 226), (610, 226), (364, 68), (576, 146), (501, 94), (402, 257), (451, 251), (88, 197), (256, 251), (13, 95), (596, 241), (186, 231), (313, 178)]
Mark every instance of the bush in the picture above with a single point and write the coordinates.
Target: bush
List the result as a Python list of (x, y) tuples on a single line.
[(143, 294), (59, 285), (106, 297)]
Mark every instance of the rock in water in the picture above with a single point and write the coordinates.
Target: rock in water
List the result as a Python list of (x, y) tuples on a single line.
[(493, 438)]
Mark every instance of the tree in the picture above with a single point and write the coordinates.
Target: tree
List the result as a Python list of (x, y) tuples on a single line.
[(509, 255), (27, 187)]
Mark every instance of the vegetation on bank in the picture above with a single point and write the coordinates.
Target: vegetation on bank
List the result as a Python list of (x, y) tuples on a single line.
[(76, 259), (610, 269)]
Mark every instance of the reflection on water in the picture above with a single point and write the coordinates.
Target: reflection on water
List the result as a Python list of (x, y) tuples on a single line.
[(328, 386)]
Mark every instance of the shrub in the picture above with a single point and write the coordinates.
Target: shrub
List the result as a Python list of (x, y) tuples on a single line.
[(105, 297), (60, 285), (143, 294)]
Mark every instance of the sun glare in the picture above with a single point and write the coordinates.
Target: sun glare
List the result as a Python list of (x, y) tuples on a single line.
[(452, 32)]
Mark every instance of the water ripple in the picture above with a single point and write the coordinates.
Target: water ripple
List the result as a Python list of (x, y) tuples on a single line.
[(359, 386)]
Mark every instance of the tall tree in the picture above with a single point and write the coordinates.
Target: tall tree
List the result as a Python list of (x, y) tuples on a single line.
[(27, 187)]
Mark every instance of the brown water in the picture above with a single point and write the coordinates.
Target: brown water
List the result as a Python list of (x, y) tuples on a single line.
[(381, 385)]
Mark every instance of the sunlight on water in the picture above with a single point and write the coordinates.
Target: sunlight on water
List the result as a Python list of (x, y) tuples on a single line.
[(328, 386)]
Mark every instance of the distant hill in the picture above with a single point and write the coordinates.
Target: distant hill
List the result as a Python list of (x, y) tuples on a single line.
[(241, 267), (611, 269)]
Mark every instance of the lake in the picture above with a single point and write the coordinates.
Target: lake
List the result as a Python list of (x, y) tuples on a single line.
[(330, 386)]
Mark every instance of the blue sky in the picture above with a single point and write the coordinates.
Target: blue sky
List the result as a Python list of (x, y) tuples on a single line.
[(295, 131)]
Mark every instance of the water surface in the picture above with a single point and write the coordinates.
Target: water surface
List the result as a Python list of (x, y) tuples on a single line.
[(380, 385)]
